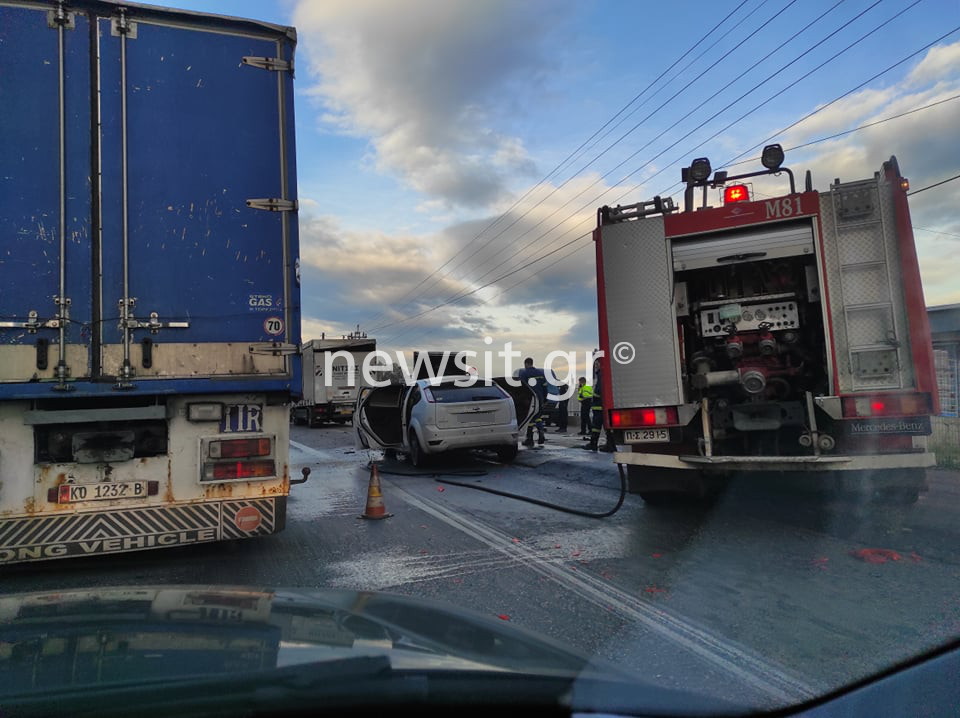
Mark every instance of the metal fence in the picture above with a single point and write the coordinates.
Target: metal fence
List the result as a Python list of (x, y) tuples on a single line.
[(946, 432)]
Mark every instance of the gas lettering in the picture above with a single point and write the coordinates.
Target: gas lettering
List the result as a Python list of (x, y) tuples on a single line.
[(260, 301)]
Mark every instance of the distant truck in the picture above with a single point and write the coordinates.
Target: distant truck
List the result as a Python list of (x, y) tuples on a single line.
[(150, 302), (329, 387), (786, 334)]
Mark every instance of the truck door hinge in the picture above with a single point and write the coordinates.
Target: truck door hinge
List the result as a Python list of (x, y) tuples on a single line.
[(120, 25), (268, 63), (60, 17), (273, 204), (273, 348)]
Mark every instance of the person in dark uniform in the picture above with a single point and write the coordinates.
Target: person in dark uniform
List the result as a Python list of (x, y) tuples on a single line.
[(562, 413), (534, 378), (596, 415)]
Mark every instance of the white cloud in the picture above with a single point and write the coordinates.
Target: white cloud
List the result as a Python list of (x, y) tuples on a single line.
[(424, 81), (939, 62)]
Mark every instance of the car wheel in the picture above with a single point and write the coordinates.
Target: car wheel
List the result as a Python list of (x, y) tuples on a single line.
[(506, 454), (415, 451)]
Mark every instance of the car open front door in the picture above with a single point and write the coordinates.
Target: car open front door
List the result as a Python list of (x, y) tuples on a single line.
[(525, 400), (378, 417)]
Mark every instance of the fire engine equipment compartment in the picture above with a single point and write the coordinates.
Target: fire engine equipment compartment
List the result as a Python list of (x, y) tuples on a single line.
[(786, 334)]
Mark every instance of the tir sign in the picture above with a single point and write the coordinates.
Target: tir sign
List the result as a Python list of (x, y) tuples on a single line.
[(736, 193)]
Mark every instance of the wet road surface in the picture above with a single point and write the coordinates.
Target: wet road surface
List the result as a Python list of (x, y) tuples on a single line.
[(769, 594)]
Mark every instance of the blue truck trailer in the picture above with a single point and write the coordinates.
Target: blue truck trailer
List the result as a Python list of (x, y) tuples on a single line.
[(149, 278)]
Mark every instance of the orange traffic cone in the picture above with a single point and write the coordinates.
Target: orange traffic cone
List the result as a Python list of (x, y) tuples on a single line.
[(375, 508)]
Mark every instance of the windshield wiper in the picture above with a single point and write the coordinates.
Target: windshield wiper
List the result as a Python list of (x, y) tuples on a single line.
[(239, 693)]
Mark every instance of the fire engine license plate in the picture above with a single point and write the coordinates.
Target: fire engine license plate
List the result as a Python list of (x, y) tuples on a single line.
[(71, 493), (640, 435)]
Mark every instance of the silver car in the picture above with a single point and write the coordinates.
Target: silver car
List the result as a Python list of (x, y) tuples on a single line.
[(433, 416)]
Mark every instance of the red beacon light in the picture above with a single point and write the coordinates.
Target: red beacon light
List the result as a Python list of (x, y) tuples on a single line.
[(736, 193)]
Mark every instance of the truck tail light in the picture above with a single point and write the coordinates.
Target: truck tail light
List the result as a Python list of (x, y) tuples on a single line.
[(652, 416), (886, 405), (736, 193), (240, 448), (241, 470)]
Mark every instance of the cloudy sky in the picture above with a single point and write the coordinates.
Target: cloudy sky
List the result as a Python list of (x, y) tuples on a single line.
[(452, 153)]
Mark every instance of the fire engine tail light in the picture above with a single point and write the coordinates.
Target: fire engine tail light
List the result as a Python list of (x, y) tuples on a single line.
[(653, 416), (886, 405), (736, 193), (240, 448)]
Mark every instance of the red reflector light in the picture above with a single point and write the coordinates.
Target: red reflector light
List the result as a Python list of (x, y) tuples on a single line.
[(736, 193), (240, 448), (659, 416), (244, 470), (886, 405)]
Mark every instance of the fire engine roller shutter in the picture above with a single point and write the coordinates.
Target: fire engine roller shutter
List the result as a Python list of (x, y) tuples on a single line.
[(638, 294), (748, 246)]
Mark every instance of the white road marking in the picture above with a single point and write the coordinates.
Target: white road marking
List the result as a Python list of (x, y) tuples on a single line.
[(330, 456), (753, 670)]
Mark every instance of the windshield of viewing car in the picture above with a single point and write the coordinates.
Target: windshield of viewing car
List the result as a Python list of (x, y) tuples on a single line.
[(253, 254)]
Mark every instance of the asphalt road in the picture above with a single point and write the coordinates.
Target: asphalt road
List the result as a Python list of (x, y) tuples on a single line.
[(767, 595)]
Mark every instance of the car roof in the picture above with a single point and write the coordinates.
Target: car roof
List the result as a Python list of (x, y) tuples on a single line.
[(449, 379)]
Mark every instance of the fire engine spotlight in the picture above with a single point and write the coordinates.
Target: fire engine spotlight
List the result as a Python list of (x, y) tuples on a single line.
[(700, 169), (772, 157)]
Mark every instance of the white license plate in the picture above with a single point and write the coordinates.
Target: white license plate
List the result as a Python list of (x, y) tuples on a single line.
[(631, 436), (72, 493)]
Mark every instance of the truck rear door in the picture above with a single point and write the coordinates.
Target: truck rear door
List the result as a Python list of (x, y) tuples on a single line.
[(194, 251), (45, 195)]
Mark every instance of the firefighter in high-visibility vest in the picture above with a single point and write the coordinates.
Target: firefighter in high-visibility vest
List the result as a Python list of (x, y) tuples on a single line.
[(585, 397), (596, 415)]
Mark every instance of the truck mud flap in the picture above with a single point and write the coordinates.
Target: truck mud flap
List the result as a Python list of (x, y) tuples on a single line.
[(43, 538)]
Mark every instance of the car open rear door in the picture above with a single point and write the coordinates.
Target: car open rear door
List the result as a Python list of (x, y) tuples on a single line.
[(378, 417), (525, 400)]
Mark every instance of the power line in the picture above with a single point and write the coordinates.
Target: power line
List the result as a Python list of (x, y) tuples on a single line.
[(809, 114), (702, 124), (937, 231), (712, 117), (515, 284), (847, 132), (626, 134), (576, 152), (648, 143), (931, 186), (820, 109)]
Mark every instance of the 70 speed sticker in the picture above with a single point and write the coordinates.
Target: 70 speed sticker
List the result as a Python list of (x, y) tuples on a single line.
[(273, 326)]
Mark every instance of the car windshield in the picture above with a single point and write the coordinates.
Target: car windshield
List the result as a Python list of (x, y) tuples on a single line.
[(598, 355)]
